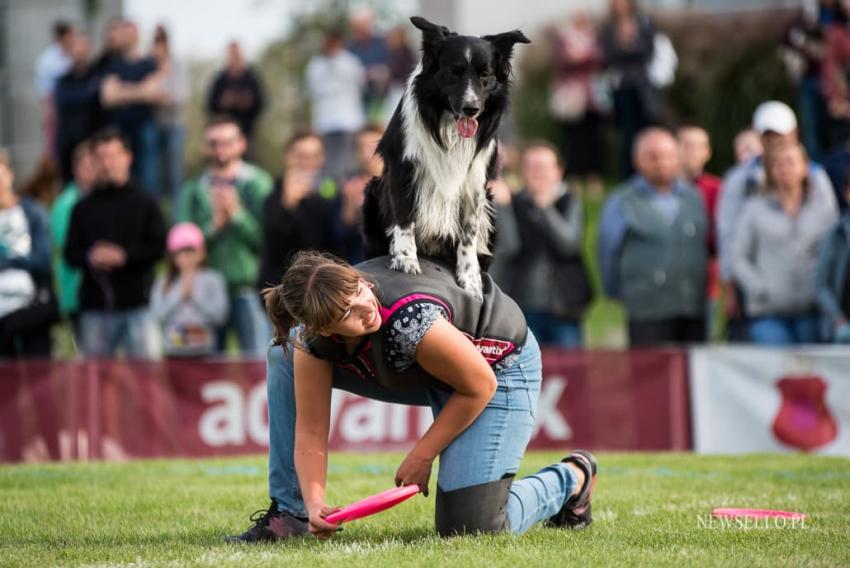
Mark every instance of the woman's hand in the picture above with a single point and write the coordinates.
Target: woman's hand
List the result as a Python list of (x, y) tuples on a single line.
[(446, 354), (415, 470), (317, 524)]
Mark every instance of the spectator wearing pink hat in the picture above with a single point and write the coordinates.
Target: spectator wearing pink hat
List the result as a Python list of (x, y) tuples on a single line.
[(189, 301)]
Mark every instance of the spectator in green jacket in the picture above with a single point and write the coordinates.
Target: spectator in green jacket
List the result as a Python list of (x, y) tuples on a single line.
[(68, 279), (226, 202)]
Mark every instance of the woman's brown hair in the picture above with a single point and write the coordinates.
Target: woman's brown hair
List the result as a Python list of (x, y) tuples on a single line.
[(316, 291)]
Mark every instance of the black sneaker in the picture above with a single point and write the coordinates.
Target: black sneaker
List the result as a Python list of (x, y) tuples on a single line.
[(575, 514), (271, 525)]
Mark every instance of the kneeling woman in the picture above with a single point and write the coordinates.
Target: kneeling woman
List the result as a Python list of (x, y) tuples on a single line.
[(411, 339)]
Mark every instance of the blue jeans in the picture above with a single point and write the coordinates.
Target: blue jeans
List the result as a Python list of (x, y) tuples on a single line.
[(145, 166), (788, 330), (170, 139), (104, 333), (551, 330), (339, 149), (490, 448), (631, 116), (248, 319)]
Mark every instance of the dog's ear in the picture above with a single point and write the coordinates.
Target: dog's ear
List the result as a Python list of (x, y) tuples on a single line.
[(432, 34), (504, 44)]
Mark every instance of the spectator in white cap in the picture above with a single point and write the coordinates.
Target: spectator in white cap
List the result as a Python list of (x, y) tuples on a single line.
[(776, 123), (189, 301)]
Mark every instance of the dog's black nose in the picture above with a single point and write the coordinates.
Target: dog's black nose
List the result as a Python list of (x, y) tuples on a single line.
[(470, 110)]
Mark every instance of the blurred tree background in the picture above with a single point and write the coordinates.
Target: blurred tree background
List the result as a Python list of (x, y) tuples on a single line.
[(281, 68), (728, 64)]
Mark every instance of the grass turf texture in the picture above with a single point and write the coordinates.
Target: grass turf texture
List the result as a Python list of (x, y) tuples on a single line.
[(649, 508)]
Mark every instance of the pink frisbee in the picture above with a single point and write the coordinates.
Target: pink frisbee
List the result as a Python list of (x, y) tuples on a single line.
[(374, 504), (727, 513)]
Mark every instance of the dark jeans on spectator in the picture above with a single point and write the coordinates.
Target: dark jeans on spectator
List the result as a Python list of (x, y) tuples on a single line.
[(552, 330), (170, 141), (812, 116), (339, 152), (632, 116), (583, 145), (664, 332), (839, 132), (250, 322), (143, 143), (104, 332), (738, 328), (26, 332)]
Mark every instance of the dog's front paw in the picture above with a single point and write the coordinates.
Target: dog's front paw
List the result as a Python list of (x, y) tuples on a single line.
[(470, 281), (406, 264)]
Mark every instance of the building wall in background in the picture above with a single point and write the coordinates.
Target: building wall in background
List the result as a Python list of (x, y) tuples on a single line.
[(479, 17)]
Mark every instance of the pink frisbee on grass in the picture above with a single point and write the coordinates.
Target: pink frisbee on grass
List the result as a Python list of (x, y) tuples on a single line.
[(374, 504), (732, 513)]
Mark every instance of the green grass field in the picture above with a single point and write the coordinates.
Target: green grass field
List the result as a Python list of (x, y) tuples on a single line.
[(649, 509)]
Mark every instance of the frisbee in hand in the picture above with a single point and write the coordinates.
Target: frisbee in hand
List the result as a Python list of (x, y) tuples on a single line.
[(374, 504), (727, 513)]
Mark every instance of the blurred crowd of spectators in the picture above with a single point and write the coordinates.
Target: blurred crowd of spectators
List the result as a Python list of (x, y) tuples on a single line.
[(144, 261)]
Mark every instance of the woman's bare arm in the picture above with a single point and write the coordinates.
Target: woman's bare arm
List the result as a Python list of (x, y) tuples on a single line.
[(448, 355), (313, 385)]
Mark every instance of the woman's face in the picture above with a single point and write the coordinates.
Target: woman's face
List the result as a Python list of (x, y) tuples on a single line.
[(789, 168), (621, 8), (362, 317), (540, 170), (85, 170), (306, 155)]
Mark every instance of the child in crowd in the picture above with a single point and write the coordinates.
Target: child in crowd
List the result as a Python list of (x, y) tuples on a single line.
[(189, 301)]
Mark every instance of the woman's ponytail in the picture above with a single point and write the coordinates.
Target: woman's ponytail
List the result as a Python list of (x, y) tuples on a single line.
[(315, 291), (282, 320)]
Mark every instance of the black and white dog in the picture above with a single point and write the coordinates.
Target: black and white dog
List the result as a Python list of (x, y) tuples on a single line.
[(440, 152)]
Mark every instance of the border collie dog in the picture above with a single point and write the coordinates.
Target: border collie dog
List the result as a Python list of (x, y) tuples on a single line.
[(439, 153)]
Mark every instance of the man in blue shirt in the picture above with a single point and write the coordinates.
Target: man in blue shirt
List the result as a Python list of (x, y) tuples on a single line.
[(653, 250)]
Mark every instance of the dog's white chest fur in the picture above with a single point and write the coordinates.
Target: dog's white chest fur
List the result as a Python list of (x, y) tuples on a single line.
[(450, 181)]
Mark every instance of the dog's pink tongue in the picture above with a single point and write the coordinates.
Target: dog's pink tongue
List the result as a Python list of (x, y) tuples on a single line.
[(467, 127)]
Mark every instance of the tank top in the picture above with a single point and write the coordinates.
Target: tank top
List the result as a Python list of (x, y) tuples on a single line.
[(409, 306)]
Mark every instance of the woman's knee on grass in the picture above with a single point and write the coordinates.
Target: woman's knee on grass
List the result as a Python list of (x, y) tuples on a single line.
[(473, 509)]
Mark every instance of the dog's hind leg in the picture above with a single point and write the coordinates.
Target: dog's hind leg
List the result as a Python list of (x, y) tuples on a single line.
[(375, 241), (397, 205), (487, 236)]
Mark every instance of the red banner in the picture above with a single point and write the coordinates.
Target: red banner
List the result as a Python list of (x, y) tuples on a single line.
[(68, 410)]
